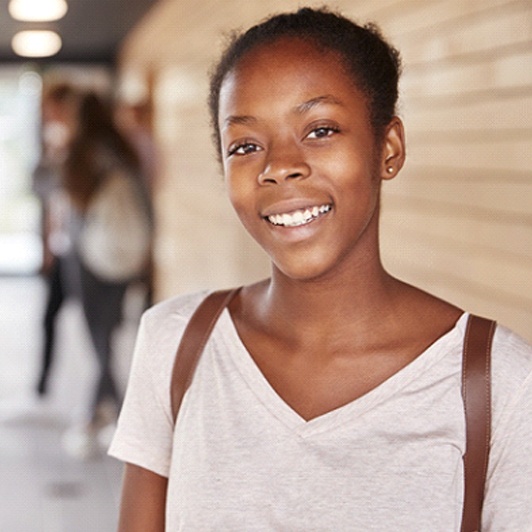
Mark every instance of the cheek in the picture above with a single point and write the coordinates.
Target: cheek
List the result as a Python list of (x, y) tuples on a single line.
[(240, 179), (243, 200), (234, 187), (240, 195)]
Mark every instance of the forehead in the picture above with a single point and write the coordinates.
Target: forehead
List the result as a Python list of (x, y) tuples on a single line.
[(283, 69)]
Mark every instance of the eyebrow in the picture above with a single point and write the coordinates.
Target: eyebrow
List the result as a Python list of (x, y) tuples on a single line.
[(299, 109), (313, 102), (235, 120)]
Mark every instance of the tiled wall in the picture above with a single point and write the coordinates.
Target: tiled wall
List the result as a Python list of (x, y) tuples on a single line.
[(457, 220)]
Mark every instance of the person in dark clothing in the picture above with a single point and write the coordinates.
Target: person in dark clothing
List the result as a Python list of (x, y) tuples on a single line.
[(58, 107)]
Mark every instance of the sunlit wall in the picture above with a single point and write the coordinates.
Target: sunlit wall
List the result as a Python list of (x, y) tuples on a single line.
[(457, 220)]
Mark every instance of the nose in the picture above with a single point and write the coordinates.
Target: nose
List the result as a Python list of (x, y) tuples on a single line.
[(283, 163)]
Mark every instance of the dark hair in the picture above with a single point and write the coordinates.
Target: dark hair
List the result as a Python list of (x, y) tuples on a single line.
[(96, 136), (374, 64), (61, 92)]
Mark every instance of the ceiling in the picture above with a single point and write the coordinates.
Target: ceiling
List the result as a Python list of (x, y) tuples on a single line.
[(91, 30)]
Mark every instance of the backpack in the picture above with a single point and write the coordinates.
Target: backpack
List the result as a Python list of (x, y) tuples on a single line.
[(115, 239)]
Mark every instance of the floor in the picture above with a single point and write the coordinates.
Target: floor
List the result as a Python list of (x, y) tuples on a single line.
[(42, 488)]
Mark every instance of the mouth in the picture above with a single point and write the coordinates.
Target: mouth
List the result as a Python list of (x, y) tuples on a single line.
[(299, 217)]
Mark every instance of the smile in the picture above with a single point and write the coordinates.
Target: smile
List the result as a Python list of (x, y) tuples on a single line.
[(299, 217)]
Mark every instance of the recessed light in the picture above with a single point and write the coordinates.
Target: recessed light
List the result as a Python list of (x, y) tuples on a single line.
[(36, 43), (38, 10)]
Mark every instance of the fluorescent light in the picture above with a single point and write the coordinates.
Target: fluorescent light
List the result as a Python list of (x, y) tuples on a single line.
[(36, 43), (38, 10)]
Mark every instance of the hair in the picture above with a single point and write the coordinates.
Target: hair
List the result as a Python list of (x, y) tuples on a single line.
[(374, 65), (61, 95), (59, 92), (96, 145)]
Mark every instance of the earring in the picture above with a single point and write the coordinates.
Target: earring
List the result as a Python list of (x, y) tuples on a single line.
[(389, 169)]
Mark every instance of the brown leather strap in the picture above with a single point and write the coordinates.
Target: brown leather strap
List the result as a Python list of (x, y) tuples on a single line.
[(193, 342), (476, 392)]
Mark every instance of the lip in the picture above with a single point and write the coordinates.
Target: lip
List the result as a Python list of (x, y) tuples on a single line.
[(291, 205), (297, 234)]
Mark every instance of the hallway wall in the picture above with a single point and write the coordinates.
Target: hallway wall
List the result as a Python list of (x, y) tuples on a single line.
[(457, 221)]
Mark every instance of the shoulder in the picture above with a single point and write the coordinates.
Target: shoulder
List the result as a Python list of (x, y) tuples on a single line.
[(511, 373), (511, 357), (172, 313), (160, 331)]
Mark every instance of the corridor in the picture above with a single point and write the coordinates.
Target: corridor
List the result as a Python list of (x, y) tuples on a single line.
[(42, 489)]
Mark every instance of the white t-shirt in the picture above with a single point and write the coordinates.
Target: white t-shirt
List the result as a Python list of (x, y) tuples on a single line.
[(243, 460)]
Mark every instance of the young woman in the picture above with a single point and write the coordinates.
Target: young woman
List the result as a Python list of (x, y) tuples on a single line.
[(328, 396)]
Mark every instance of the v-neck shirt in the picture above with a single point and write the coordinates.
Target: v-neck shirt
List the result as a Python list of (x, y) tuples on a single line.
[(242, 459), (231, 343)]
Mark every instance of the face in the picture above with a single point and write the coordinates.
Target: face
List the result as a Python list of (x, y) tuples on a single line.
[(302, 166)]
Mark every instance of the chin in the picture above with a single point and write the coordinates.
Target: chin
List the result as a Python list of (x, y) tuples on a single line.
[(302, 273)]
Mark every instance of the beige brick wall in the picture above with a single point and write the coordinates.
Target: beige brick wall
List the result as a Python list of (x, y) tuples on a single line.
[(458, 219)]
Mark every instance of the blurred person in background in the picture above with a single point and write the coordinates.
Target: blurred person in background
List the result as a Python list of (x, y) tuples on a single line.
[(110, 230), (58, 109), (135, 121)]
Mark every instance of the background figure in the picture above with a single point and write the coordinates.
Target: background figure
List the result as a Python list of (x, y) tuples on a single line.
[(58, 107), (103, 181), (135, 121)]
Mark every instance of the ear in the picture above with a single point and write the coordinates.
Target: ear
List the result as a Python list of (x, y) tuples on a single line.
[(393, 152)]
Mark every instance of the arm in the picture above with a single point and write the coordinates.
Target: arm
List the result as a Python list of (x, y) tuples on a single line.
[(143, 503)]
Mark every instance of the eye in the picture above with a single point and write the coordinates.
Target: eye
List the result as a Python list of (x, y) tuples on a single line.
[(243, 148), (322, 132)]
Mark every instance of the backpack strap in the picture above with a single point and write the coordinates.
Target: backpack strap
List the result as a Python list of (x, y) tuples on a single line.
[(476, 393), (193, 341)]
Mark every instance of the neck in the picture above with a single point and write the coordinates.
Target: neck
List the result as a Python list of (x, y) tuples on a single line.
[(358, 296)]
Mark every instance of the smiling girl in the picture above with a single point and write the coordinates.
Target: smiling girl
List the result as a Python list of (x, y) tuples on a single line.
[(328, 397)]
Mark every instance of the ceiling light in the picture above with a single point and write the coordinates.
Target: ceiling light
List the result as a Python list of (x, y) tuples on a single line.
[(35, 43), (38, 10)]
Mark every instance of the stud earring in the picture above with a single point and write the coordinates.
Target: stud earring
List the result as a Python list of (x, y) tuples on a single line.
[(389, 169)]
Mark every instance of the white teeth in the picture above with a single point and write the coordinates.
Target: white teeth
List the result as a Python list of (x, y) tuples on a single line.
[(300, 217), (286, 219)]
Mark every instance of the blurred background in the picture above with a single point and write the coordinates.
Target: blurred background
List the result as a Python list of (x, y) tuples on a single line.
[(457, 221)]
